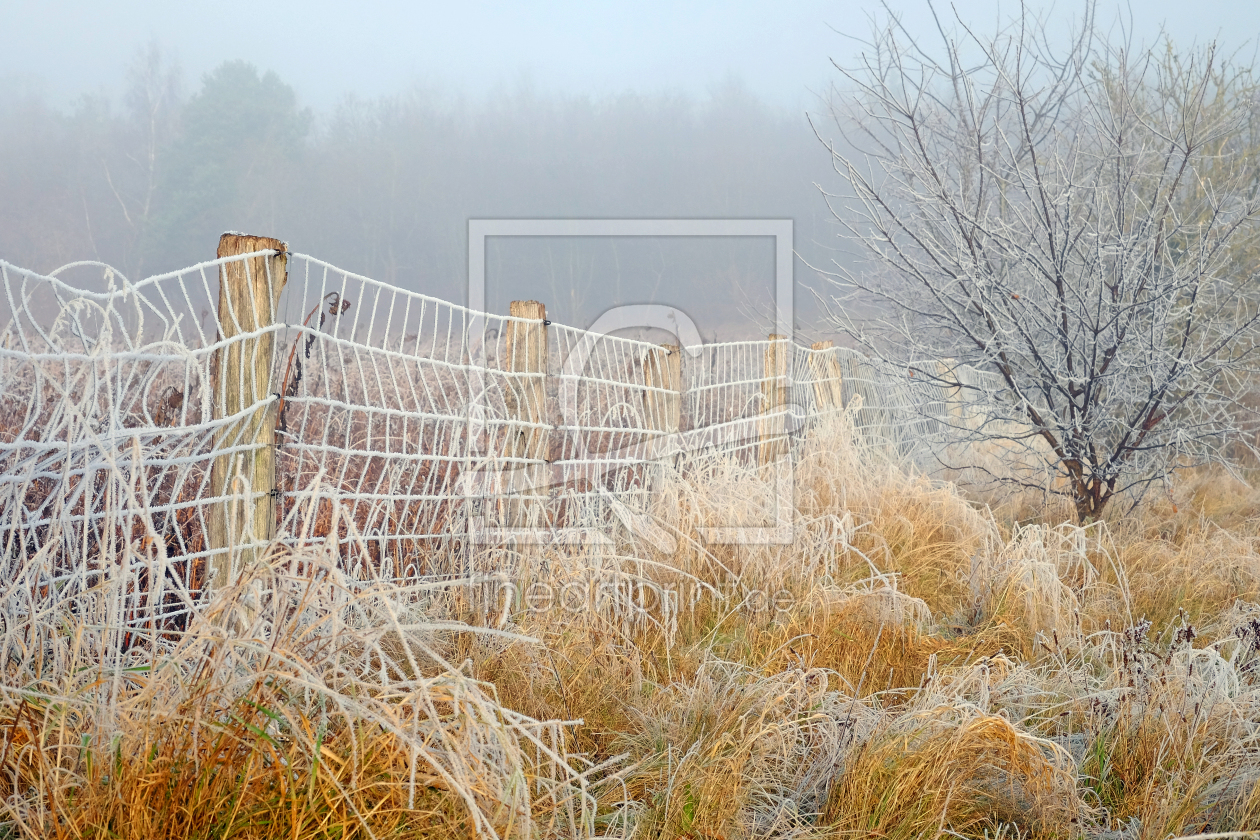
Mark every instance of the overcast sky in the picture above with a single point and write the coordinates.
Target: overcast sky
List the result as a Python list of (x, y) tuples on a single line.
[(325, 49)]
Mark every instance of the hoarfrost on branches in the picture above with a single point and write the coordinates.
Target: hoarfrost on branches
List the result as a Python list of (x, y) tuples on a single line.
[(1078, 224)]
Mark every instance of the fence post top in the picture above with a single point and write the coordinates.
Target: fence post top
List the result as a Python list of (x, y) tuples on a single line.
[(233, 242), (531, 309)]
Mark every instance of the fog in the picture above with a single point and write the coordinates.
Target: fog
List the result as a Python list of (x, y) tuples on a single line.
[(385, 187), (136, 135)]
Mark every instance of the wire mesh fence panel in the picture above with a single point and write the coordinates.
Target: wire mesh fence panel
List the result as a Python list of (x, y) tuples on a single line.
[(402, 423), (108, 435), (889, 412), (723, 398), (376, 385), (610, 432)]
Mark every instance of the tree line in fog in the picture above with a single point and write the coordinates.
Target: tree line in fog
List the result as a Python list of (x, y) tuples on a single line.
[(148, 178)]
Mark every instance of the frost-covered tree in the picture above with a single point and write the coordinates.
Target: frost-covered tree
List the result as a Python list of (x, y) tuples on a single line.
[(1076, 222), (241, 130)]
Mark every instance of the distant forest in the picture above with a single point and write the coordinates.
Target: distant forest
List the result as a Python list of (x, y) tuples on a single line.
[(148, 179)]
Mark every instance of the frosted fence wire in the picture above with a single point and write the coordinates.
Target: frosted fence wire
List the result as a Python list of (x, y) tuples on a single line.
[(608, 441), (722, 397), (402, 407), (376, 383), (894, 415), (393, 403), (107, 437)]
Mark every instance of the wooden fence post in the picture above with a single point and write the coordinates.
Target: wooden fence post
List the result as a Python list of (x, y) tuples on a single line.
[(662, 369), (774, 399), (526, 398), (242, 482), (827, 376)]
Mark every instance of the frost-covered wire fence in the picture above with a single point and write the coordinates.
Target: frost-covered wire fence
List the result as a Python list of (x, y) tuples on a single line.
[(173, 423)]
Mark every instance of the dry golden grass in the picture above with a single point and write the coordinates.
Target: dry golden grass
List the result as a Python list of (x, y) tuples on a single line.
[(956, 672), (300, 702), (911, 665)]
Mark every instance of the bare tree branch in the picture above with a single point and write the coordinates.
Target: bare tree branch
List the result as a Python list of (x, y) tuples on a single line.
[(1075, 233)]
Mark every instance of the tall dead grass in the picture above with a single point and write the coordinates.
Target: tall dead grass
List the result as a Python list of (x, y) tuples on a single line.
[(911, 664), (302, 701)]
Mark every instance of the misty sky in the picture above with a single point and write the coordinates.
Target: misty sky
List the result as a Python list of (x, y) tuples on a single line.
[(539, 124), (325, 50)]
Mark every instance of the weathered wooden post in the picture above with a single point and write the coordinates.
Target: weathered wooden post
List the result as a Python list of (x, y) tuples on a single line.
[(662, 402), (526, 397), (242, 516), (774, 399), (827, 376)]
